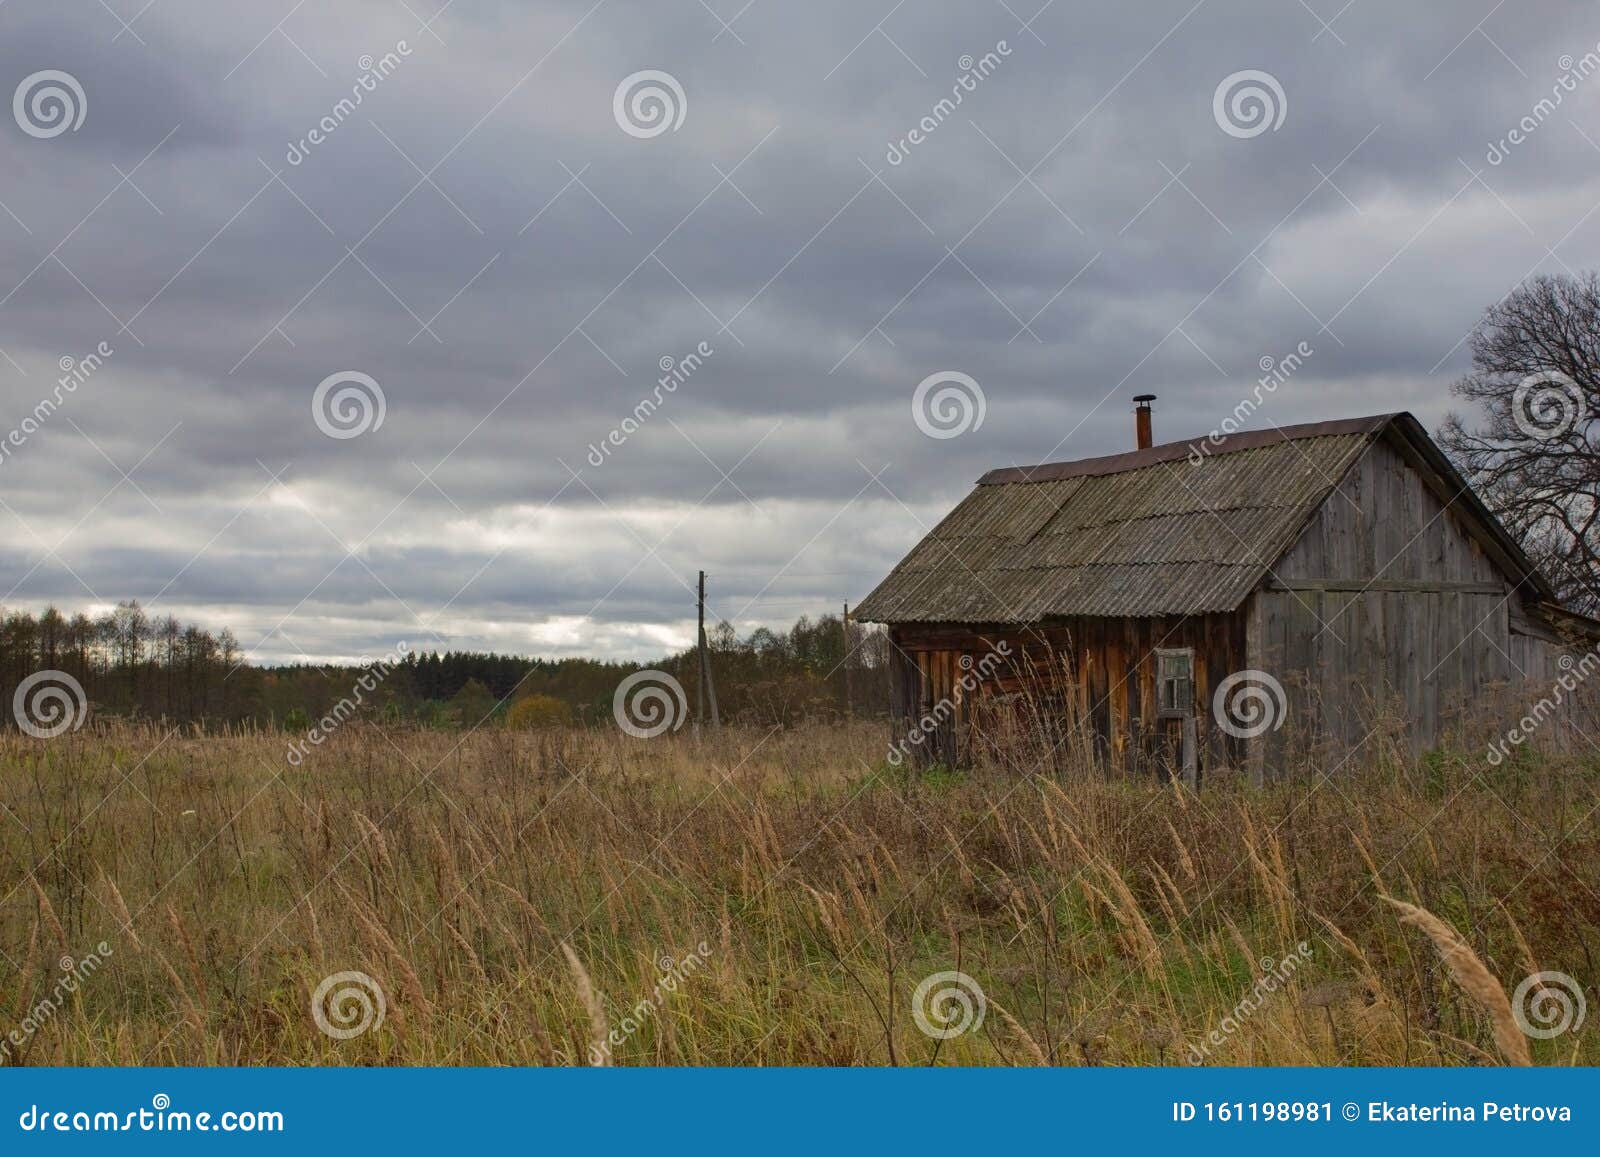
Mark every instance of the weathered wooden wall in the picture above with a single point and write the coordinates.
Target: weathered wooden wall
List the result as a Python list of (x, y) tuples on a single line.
[(1097, 672), (1387, 602)]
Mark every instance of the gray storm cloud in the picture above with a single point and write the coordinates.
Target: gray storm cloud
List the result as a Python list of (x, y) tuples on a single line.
[(481, 237)]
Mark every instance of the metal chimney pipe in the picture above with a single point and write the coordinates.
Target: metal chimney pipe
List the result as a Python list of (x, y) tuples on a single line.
[(1141, 421)]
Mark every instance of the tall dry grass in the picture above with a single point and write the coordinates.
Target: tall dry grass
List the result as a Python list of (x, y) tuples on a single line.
[(519, 899)]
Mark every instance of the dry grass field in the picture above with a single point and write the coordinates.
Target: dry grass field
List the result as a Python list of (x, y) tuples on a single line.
[(766, 898)]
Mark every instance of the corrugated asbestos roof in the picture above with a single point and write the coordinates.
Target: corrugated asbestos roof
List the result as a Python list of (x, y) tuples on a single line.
[(1145, 533)]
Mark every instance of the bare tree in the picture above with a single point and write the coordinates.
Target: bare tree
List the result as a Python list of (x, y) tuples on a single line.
[(1535, 459)]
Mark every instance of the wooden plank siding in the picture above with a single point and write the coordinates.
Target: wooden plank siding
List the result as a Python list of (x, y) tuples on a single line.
[(1386, 602), (1101, 671)]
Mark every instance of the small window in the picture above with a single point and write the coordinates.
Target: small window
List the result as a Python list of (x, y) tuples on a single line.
[(1175, 683)]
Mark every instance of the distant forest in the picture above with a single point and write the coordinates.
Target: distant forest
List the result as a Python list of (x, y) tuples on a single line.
[(132, 666)]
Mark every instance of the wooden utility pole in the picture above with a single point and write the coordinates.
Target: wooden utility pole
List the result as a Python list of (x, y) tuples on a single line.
[(849, 697), (700, 654), (708, 687)]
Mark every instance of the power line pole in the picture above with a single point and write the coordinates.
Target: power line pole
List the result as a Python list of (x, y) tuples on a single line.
[(700, 648), (849, 697), (708, 687)]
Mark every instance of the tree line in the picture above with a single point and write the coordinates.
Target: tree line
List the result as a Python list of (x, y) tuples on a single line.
[(134, 666)]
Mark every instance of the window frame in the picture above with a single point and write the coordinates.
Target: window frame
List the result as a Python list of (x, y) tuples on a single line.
[(1183, 695)]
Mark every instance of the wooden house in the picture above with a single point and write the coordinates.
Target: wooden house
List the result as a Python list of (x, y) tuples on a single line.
[(1183, 602)]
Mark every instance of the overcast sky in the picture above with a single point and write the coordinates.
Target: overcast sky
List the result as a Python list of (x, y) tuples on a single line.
[(508, 245)]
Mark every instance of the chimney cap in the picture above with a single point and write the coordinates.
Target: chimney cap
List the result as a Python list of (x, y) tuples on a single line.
[(1142, 398)]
